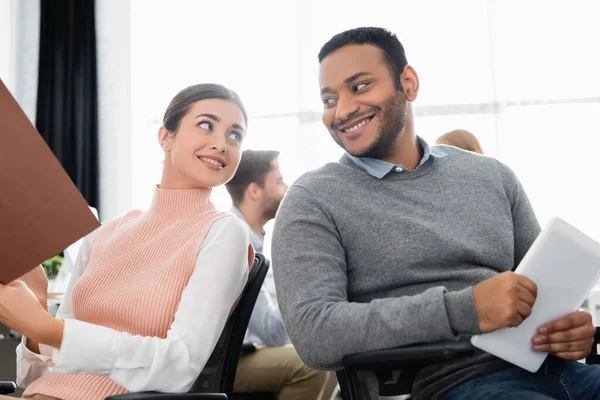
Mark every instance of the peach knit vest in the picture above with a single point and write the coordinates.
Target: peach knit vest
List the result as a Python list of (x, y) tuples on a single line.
[(137, 269)]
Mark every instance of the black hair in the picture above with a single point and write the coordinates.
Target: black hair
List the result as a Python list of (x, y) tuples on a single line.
[(379, 37)]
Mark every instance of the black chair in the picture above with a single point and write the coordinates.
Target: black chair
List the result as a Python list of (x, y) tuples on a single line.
[(359, 368), (594, 358), (7, 387), (215, 382)]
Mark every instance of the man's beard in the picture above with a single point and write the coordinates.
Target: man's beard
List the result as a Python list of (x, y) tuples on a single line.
[(271, 209), (393, 117)]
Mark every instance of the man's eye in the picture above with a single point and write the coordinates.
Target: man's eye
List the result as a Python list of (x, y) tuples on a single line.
[(328, 102), (360, 86)]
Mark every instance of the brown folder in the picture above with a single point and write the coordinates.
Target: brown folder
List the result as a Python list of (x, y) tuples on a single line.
[(41, 210)]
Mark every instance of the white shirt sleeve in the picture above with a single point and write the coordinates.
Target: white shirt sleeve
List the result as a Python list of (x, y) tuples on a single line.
[(30, 365), (141, 363)]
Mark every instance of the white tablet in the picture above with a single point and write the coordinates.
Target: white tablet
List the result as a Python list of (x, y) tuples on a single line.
[(565, 265)]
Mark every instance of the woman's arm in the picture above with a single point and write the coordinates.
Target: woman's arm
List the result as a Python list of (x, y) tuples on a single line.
[(172, 364), (33, 362)]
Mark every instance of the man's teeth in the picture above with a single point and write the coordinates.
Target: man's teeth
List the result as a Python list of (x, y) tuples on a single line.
[(210, 160), (355, 127)]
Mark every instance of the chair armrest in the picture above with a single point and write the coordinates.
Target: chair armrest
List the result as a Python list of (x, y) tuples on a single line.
[(408, 356), (593, 358), (168, 396), (7, 387)]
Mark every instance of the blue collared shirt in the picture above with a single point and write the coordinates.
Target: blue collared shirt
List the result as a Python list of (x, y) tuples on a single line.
[(266, 324), (379, 168), (258, 239)]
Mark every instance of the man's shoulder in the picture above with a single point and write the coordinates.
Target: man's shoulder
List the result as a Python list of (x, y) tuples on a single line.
[(329, 174), (468, 159), (479, 167), (320, 186), (456, 153)]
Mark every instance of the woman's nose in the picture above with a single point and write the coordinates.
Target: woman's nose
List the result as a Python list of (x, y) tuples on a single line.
[(220, 147)]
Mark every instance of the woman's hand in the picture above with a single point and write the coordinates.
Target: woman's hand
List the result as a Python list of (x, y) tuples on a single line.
[(20, 310), (20, 307), (38, 283)]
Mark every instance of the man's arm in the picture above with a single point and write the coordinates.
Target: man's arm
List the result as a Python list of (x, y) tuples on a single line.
[(311, 277), (572, 336), (525, 224)]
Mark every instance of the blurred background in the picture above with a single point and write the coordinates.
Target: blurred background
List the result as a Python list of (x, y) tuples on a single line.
[(521, 75)]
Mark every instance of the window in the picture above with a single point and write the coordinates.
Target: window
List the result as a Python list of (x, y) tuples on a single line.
[(551, 149), (529, 91)]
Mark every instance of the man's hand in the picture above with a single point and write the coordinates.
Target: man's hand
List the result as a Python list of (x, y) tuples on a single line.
[(37, 282), (570, 337), (504, 300)]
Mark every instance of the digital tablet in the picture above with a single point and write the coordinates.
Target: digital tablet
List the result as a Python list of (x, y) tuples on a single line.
[(565, 265)]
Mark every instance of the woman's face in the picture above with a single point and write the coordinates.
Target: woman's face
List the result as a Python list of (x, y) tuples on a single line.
[(206, 149)]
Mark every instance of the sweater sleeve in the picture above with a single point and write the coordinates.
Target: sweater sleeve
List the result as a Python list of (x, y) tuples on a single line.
[(141, 363), (311, 275), (525, 224)]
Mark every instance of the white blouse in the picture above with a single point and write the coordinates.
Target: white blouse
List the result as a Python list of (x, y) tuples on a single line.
[(140, 363)]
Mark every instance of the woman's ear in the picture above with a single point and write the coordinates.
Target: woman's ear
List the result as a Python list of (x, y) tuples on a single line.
[(164, 138)]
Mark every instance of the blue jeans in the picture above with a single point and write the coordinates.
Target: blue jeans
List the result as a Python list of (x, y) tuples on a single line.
[(556, 379)]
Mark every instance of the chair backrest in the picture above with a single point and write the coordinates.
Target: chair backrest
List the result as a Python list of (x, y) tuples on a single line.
[(218, 374)]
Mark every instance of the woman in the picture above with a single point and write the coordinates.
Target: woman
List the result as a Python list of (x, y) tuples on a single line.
[(151, 291)]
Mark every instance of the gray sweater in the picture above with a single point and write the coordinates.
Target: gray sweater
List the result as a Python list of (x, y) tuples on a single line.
[(362, 263)]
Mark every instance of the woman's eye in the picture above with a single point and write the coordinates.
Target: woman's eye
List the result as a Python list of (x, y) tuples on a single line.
[(236, 136), (206, 125)]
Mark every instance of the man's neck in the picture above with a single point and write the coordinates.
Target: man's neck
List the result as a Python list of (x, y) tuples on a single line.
[(253, 216), (406, 151)]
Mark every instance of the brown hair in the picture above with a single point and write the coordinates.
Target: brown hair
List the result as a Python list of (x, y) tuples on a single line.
[(254, 166), (462, 139), (182, 101)]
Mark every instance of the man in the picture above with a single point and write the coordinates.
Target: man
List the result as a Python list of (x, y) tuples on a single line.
[(256, 191), (401, 243), (462, 139)]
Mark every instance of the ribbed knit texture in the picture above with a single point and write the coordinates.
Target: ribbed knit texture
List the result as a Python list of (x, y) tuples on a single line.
[(137, 270)]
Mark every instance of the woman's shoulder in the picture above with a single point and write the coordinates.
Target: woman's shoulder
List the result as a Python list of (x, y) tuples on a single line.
[(231, 227), (229, 236)]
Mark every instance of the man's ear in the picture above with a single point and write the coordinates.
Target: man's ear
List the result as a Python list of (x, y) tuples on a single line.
[(410, 82), (253, 191)]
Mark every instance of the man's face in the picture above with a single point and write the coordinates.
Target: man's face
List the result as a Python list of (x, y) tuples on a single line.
[(273, 189), (363, 110)]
